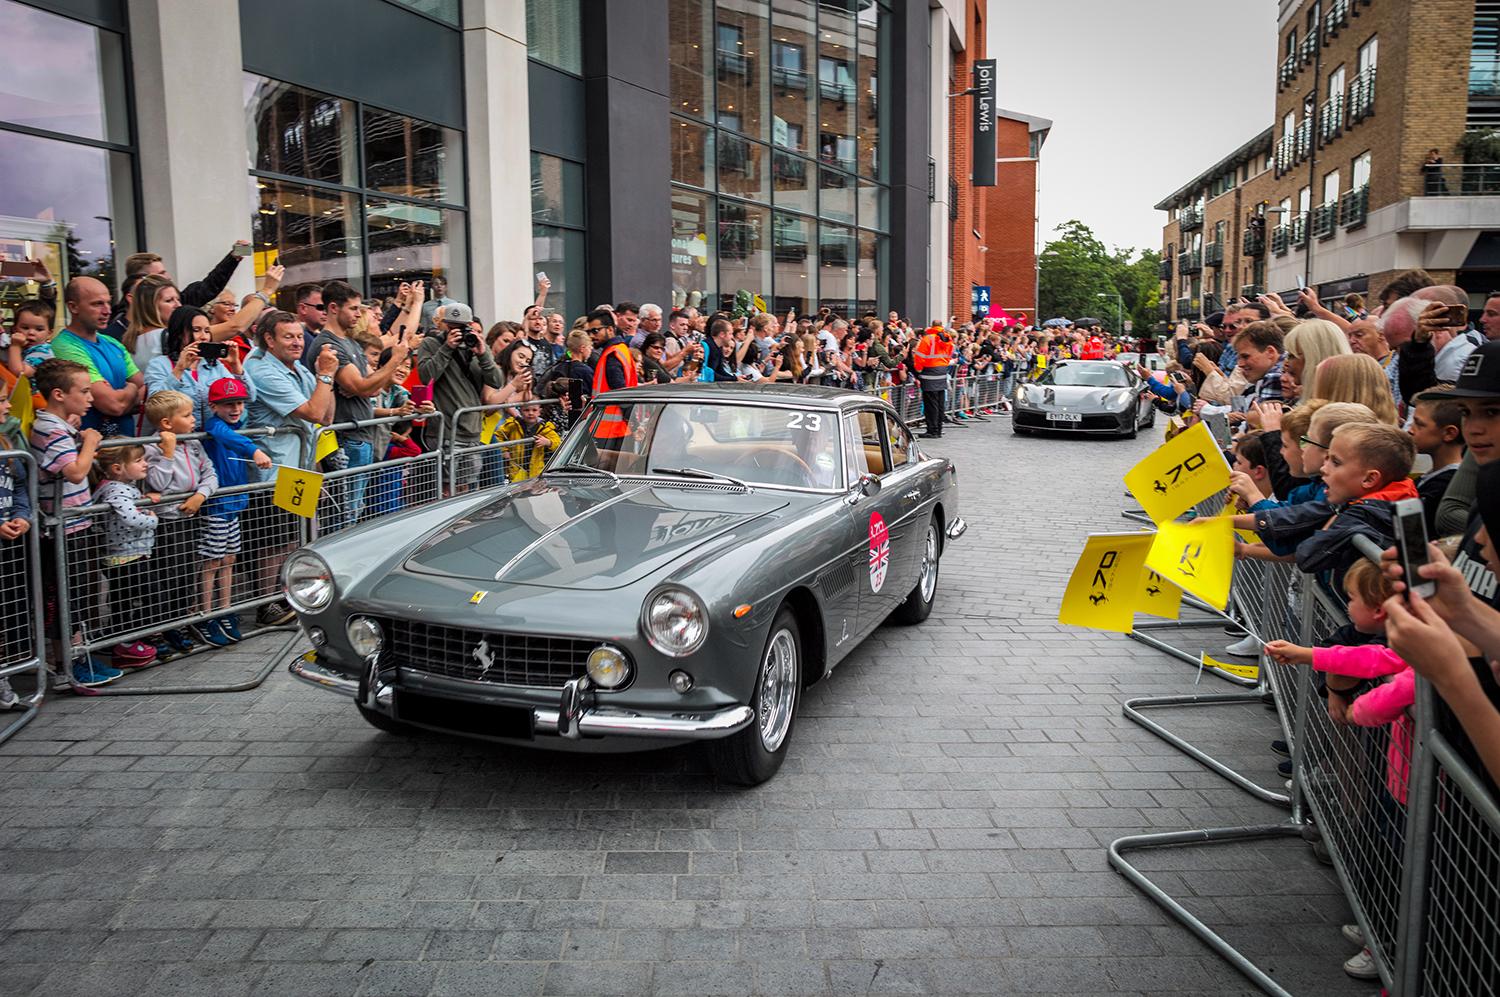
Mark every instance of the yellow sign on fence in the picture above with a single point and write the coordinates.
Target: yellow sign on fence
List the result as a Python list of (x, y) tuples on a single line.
[(1179, 474), (1197, 557), (297, 490), (1105, 587), (327, 444), (487, 427)]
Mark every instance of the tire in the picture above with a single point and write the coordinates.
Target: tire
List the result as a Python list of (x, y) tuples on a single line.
[(919, 601), (382, 722), (1134, 429), (1019, 430), (751, 756)]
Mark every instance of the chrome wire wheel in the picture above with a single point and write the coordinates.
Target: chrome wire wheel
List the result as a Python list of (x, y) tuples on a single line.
[(778, 689), (928, 578)]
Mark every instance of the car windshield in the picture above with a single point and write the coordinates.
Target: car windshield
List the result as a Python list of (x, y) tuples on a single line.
[(759, 445), (1091, 375)]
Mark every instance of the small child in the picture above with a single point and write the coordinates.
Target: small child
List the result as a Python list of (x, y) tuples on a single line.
[(174, 467), (1437, 430), (219, 533), (64, 456), (129, 536), (15, 523), (30, 338), (1251, 480), (525, 460)]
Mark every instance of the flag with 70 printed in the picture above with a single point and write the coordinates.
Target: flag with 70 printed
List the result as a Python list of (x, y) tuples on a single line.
[(1197, 557), (1105, 588), (1179, 474)]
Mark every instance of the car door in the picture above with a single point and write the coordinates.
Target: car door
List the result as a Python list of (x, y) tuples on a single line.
[(911, 484), (877, 520)]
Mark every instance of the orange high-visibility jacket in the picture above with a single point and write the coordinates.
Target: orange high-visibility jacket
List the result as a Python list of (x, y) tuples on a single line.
[(612, 425), (934, 355)]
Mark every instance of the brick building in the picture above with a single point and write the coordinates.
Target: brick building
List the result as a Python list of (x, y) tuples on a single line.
[(1334, 193), (1010, 213)]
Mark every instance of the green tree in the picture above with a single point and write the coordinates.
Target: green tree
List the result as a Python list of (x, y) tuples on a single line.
[(1080, 277)]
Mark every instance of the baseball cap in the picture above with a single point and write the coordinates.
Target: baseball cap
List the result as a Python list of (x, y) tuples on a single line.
[(1478, 378), (227, 389), (457, 313)]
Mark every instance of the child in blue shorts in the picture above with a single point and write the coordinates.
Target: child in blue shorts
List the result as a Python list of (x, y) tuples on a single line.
[(219, 532)]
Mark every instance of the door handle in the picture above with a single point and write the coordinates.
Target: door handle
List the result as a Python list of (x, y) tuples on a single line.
[(914, 493)]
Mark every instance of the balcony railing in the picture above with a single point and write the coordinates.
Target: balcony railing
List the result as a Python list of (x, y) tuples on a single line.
[(1309, 48), (1338, 16), (1164, 310), (1354, 207), (732, 62), (1213, 254), (1251, 291), (787, 78), (1164, 269), (1299, 231), (1190, 262), (1253, 243), (1331, 119), (1190, 217), (841, 91), (1461, 180), (1362, 96), (1280, 239), (1182, 306), (1325, 219), (1288, 71), (1304, 139), (1285, 154)]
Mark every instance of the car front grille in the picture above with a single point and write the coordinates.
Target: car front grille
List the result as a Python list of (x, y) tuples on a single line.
[(485, 656), (1038, 420)]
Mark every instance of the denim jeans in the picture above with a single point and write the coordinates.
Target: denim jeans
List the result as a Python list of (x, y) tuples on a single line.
[(358, 454)]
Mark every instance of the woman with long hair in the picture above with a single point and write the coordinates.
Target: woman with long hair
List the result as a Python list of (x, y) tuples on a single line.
[(1356, 377), (1307, 346), (152, 302), (181, 368)]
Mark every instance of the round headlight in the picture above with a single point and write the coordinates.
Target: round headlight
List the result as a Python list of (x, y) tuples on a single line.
[(675, 622), (364, 636), (308, 582), (608, 667)]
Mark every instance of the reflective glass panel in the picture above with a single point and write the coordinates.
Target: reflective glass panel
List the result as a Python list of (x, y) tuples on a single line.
[(744, 250), (312, 232), (836, 196), (795, 252), (414, 241), (62, 75), (872, 201), (794, 183), (688, 46), (554, 34), (837, 92), (794, 57), (873, 37), (742, 66), (692, 152), (872, 250), (836, 268), (413, 158), (693, 271), (560, 254), (444, 10), (556, 191), (742, 167), (300, 132), (66, 214)]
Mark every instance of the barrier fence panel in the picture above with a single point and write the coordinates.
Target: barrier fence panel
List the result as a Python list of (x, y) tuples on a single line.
[(351, 496), (22, 650), (472, 463)]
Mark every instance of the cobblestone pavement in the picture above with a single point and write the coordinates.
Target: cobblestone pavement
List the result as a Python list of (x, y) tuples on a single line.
[(939, 828)]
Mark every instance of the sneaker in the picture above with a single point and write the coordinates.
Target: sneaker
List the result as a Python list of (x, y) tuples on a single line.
[(1285, 768), (132, 654), (1353, 934), (179, 640), (1281, 748), (1236, 631), (1247, 647), (90, 673), (275, 614), (231, 626), (8, 698), (1362, 966), (210, 632)]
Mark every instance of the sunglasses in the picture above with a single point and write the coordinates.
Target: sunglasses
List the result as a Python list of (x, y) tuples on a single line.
[(1313, 443), (321, 308)]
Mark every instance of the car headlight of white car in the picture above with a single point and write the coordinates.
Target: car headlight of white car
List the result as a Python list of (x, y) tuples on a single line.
[(674, 621), (308, 582)]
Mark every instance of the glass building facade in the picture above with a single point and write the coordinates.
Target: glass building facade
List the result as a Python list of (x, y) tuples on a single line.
[(779, 184)]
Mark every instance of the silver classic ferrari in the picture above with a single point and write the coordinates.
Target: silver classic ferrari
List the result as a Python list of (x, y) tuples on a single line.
[(1085, 396), (690, 560)]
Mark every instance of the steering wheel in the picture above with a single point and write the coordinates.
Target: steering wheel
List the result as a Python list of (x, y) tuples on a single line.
[(753, 458)]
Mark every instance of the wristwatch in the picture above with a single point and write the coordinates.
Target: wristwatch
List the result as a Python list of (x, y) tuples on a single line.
[(326, 378)]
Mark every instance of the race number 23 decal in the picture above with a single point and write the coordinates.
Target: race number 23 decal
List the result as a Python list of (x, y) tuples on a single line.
[(880, 551)]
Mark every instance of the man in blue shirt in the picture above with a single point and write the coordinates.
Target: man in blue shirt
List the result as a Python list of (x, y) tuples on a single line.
[(287, 394)]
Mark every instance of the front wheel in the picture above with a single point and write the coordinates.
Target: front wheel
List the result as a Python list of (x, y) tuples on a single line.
[(918, 604), (753, 755)]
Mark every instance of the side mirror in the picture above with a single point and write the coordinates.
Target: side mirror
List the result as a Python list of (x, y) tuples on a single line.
[(866, 487)]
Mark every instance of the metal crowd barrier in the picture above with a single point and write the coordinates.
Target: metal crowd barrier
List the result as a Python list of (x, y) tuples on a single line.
[(22, 646), (352, 496), (472, 463)]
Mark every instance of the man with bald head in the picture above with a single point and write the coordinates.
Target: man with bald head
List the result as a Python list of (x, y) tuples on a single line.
[(118, 386), (1434, 337)]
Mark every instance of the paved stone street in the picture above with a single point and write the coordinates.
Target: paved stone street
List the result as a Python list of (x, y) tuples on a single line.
[(940, 827)]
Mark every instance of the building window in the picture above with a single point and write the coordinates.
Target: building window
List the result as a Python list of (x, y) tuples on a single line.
[(1360, 171), (554, 37), (557, 230), (440, 10), (67, 169), (342, 190)]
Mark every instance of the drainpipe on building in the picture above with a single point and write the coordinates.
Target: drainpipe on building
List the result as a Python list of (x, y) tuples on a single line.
[(1312, 157)]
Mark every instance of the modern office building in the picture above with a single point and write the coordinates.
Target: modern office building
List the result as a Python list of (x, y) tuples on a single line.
[(677, 151), (1336, 191)]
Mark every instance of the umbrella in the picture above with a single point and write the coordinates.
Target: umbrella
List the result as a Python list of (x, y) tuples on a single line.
[(1053, 323), (1086, 322)]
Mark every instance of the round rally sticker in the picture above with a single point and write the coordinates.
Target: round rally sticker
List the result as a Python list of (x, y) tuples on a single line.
[(880, 551)]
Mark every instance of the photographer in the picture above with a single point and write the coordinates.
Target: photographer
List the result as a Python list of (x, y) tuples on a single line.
[(191, 361), (453, 361)]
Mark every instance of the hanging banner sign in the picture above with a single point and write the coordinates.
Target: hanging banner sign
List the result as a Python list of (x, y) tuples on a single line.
[(984, 123)]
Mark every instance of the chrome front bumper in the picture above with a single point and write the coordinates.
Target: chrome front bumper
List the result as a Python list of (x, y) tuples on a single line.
[(570, 719)]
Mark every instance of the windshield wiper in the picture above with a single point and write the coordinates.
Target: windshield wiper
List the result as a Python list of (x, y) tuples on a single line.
[(698, 472), (582, 469)]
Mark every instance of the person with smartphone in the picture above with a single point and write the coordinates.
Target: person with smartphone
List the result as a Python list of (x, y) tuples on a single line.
[(191, 361)]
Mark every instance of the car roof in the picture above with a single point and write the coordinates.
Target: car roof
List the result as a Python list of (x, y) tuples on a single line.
[(749, 393)]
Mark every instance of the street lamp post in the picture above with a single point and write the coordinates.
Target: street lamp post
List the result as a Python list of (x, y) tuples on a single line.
[(1119, 310)]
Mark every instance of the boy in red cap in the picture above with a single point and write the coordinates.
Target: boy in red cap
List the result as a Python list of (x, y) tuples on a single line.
[(219, 533)]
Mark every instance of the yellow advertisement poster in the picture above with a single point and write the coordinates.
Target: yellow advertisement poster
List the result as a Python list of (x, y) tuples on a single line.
[(1104, 589), (1197, 557), (1179, 474)]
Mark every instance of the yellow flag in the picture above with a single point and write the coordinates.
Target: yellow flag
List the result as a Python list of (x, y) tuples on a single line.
[(759, 302), (1197, 557), (327, 444), (297, 490), (22, 408), (1248, 536), (1243, 671), (1158, 597), (1178, 475), (488, 426), (1102, 593)]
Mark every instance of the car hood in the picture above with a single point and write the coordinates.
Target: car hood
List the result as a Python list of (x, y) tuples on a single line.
[(1074, 397), (591, 534)]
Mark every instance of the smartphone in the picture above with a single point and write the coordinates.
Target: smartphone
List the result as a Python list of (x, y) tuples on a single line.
[(1458, 316), (16, 268), (1411, 545), (1301, 284), (241, 249), (541, 275), (213, 351)]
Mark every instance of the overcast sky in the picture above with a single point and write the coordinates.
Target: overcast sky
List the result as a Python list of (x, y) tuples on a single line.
[(1143, 97)]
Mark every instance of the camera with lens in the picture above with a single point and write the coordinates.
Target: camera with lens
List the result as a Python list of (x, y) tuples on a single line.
[(469, 341)]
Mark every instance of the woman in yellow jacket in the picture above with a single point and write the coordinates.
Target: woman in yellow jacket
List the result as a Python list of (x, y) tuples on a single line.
[(524, 460)]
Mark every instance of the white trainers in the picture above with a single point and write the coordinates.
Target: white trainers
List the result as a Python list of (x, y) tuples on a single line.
[(8, 698), (1353, 934), (1362, 966), (1246, 647)]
